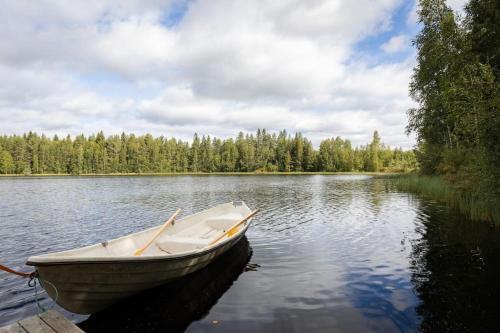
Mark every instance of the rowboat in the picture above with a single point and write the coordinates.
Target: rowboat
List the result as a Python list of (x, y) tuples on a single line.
[(91, 278)]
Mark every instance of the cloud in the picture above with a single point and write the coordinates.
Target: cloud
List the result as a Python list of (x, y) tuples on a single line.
[(396, 44), (280, 49), (179, 106), (457, 5), (412, 16), (333, 19), (224, 66), (49, 101), (350, 116), (134, 48)]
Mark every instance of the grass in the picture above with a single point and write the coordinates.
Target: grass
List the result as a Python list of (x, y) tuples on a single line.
[(475, 205)]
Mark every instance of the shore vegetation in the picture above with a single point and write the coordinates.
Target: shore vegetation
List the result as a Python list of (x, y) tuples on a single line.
[(259, 152), (456, 83)]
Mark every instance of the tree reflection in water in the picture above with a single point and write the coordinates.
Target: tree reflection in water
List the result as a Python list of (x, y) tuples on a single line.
[(456, 272)]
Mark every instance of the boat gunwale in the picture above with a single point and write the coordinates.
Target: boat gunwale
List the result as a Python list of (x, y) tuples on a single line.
[(47, 259), (134, 259)]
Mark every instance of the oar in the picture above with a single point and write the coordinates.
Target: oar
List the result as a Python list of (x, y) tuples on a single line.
[(144, 248), (234, 227)]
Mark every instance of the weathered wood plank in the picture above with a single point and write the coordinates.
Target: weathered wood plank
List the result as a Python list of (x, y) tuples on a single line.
[(58, 323), (12, 328), (35, 325)]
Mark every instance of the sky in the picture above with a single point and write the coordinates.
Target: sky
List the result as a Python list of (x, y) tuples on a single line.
[(324, 68)]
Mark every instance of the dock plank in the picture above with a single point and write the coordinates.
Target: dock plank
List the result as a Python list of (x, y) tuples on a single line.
[(47, 322), (12, 328), (35, 325), (59, 323)]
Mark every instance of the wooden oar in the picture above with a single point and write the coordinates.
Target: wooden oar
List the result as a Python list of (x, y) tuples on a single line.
[(234, 227), (144, 248)]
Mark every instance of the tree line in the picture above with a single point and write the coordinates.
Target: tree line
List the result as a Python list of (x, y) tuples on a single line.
[(456, 83), (31, 153)]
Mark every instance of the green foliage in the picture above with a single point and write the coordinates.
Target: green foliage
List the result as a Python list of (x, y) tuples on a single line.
[(262, 152), (456, 84), (6, 162), (482, 20), (374, 160)]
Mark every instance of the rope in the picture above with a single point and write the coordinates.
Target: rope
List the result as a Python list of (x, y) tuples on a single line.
[(10, 270), (33, 277), (32, 283)]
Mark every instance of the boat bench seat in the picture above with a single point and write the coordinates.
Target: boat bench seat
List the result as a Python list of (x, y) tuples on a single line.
[(179, 244), (185, 242), (223, 222)]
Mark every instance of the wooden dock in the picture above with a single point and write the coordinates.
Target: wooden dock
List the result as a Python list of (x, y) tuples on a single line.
[(47, 322)]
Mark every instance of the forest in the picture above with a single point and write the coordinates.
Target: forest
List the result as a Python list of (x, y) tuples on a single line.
[(260, 152), (456, 84)]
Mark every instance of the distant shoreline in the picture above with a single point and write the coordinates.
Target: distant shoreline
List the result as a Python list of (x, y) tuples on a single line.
[(166, 174)]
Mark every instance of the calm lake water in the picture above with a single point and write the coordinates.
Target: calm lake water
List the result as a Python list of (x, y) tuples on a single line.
[(326, 253)]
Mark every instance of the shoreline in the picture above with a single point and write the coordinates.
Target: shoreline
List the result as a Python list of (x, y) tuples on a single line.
[(167, 174)]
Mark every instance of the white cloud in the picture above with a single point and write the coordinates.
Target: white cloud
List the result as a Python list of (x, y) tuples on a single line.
[(412, 17), (47, 101), (333, 19), (226, 66), (396, 44), (457, 5), (135, 47), (179, 106)]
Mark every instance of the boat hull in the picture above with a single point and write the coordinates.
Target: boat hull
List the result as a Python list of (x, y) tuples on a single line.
[(176, 304), (88, 287)]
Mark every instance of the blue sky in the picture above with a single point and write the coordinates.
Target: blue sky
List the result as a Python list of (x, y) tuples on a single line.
[(371, 46), (323, 67)]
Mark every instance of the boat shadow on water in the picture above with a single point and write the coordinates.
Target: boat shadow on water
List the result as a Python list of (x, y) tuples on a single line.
[(174, 306)]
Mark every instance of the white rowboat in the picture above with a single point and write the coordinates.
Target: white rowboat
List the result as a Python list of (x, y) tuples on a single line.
[(89, 279)]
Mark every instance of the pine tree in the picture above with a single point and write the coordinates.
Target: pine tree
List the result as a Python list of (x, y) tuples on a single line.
[(374, 159), (6, 162), (142, 154), (195, 154)]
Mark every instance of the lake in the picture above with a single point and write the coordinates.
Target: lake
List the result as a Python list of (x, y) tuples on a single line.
[(344, 253)]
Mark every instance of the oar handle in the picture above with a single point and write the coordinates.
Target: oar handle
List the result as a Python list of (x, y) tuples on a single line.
[(230, 230), (144, 248)]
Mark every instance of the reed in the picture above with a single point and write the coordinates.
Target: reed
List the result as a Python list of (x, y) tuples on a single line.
[(475, 205)]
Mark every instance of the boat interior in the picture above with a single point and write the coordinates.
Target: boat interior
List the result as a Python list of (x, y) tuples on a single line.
[(189, 234)]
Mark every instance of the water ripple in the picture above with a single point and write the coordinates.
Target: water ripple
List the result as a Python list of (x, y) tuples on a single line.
[(330, 253)]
